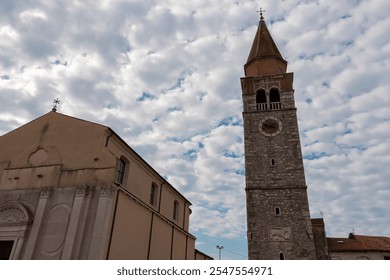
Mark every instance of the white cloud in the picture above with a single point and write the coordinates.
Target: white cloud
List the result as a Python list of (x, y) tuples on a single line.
[(165, 76)]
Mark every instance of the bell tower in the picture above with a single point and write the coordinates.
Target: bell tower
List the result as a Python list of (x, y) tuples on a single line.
[(278, 217)]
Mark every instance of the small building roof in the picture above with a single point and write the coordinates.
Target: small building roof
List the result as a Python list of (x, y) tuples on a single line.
[(359, 243)]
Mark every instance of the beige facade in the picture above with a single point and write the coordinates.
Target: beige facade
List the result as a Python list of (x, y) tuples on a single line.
[(72, 189)]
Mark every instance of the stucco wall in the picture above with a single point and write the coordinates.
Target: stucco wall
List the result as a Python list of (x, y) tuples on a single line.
[(139, 232)]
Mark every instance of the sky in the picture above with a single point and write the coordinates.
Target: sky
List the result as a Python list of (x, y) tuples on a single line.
[(165, 75)]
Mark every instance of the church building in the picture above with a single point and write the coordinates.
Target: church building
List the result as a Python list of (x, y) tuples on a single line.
[(73, 189)]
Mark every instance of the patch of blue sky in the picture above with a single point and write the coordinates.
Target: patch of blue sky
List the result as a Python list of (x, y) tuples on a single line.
[(240, 172), (278, 19), (231, 154), (310, 57), (348, 43), (346, 16), (232, 249), (230, 121), (176, 139), (348, 131), (360, 148), (191, 154), (145, 96), (314, 156), (173, 109), (59, 61), (110, 106), (179, 81), (201, 95), (222, 210)]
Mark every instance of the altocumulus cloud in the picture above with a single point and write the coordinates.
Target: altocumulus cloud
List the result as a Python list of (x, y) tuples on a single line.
[(165, 76)]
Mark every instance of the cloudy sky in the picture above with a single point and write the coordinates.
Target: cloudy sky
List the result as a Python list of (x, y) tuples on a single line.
[(165, 75)]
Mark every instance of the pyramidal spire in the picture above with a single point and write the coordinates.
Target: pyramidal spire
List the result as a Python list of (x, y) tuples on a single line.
[(264, 49)]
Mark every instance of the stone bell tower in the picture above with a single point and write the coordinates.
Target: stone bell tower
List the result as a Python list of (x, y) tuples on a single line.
[(278, 217)]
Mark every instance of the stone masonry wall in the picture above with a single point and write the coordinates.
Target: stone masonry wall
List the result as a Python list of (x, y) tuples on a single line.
[(278, 216)]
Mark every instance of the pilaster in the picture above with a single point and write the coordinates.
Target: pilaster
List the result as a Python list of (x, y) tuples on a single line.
[(101, 230), (44, 198)]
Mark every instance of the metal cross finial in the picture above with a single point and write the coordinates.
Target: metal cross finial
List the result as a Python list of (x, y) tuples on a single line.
[(261, 11), (56, 103)]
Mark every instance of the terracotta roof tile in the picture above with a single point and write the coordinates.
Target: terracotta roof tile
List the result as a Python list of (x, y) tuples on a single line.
[(359, 243), (263, 45)]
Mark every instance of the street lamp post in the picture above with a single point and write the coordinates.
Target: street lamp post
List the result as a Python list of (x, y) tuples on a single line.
[(219, 251)]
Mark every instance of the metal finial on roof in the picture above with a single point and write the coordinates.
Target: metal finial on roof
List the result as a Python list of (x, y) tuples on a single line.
[(56, 103), (261, 11)]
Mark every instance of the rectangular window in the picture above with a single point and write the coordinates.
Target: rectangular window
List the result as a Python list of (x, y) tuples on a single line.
[(120, 171), (153, 194), (176, 210), (6, 249)]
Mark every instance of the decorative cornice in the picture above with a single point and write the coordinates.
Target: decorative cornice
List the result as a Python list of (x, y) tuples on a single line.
[(81, 191), (106, 191)]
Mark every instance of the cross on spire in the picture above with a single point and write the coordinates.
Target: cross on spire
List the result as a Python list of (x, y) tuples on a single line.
[(56, 102), (261, 11)]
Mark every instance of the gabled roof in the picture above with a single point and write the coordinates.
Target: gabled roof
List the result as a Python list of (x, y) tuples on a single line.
[(53, 115), (263, 45), (359, 243), (65, 140), (75, 137)]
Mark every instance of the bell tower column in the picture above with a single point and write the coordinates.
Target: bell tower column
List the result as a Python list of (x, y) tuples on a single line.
[(278, 217)]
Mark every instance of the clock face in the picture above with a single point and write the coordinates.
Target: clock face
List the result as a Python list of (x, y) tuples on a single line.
[(270, 126)]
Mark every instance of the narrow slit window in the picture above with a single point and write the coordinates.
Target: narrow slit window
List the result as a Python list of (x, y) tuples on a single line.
[(120, 175), (176, 210), (153, 194), (277, 211), (281, 256)]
